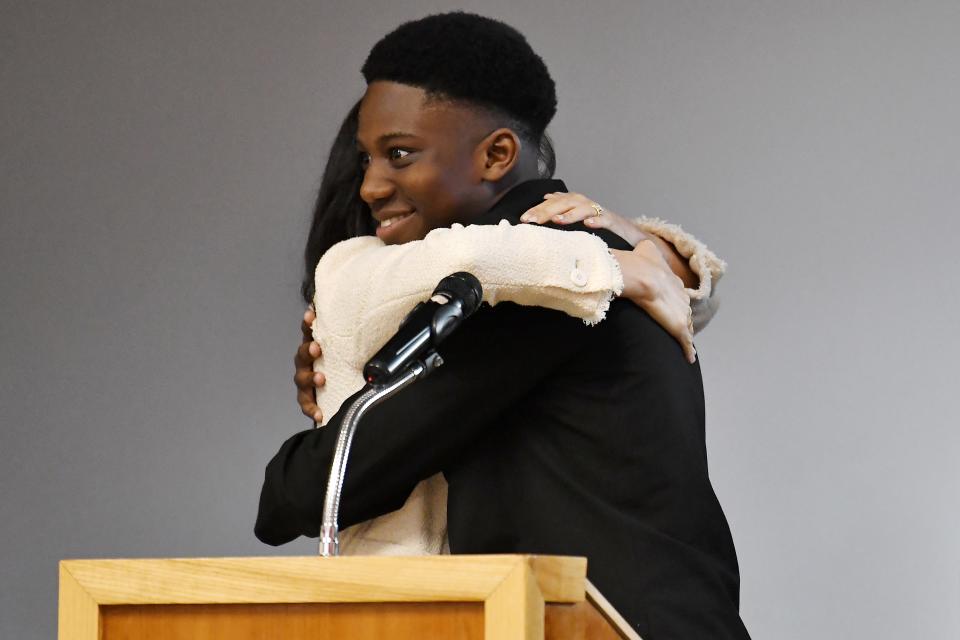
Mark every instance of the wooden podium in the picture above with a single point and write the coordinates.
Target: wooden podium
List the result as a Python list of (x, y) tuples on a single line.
[(508, 597)]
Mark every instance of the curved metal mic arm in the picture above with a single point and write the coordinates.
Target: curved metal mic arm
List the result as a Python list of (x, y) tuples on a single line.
[(329, 531)]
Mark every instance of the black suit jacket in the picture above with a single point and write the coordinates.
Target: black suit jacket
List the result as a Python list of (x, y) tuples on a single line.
[(555, 438)]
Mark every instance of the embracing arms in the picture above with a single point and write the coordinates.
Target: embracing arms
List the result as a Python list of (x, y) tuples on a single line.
[(539, 274), (492, 362)]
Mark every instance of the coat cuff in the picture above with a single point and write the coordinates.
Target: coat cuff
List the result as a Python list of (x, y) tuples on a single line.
[(703, 262)]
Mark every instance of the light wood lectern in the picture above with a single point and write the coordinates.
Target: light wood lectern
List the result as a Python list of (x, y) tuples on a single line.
[(509, 597)]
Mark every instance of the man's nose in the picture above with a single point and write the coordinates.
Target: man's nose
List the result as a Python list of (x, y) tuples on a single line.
[(375, 186)]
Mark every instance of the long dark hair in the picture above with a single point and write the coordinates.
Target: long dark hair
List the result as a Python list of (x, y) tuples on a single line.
[(339, 213)]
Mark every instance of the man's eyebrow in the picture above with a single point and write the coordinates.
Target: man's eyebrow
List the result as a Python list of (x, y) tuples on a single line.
[(387, 137), (394, 134)]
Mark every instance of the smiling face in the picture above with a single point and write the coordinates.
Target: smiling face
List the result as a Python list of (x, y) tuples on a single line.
[(425, 161)]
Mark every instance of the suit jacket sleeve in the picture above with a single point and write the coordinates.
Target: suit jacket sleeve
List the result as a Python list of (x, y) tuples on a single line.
[(497, 357)]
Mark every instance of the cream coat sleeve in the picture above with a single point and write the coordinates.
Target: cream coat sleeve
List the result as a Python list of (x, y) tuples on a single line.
[(703, 262), (363, 287)]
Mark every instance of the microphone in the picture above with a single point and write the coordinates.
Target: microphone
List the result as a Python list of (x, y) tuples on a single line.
[(456, 298)]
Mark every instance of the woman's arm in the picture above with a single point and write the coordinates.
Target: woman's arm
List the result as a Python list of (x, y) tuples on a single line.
[(364, 288), (687, 257), (541, 278), (705, 264)]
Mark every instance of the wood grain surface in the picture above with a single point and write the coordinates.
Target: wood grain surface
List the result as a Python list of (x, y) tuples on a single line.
[(324, 621), (315, 579), (491, 597), (448, 620)]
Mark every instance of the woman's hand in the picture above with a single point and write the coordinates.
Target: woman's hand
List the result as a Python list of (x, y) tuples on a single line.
[(567, 208), (650, 284), (650, 271), (307, 381)]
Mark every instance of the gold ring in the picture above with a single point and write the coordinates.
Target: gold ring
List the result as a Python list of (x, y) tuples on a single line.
[(598, 209)]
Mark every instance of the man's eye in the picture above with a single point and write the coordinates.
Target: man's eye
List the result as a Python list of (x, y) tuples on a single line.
[(396, 153)]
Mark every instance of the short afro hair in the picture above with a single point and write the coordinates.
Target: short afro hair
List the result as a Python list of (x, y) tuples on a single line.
[(465, 57)]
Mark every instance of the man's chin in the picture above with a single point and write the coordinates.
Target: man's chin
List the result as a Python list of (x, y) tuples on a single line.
[(404, 231), (402, 239)]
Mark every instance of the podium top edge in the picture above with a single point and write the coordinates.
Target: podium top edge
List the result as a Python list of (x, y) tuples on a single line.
[(291, 579)]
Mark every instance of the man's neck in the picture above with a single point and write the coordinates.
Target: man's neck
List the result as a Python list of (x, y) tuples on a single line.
[(523, 173), (523, 195)]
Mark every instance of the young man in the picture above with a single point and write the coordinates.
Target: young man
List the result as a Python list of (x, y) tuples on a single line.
[(554, 437)]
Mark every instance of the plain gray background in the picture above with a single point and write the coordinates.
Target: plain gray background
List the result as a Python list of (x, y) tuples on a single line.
[(159, 161)]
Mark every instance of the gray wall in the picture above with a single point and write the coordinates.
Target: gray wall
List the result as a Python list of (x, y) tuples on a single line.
[(157, 165)]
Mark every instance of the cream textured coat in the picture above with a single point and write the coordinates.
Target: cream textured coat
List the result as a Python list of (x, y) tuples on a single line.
[(365, 288)]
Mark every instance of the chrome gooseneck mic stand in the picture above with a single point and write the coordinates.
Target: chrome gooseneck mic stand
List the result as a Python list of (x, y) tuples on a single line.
[(374, 395)]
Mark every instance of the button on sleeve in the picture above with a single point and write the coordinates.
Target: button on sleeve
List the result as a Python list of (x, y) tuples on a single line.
[(578, 277)]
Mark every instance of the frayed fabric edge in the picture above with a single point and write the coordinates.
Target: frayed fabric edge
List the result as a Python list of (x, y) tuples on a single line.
[(603, 305), (704, 262)]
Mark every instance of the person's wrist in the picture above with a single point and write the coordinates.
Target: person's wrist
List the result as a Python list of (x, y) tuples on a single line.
[(634, 235), (635, 286)]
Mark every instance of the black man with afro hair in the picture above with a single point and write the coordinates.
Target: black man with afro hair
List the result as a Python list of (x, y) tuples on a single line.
[(554, 437)]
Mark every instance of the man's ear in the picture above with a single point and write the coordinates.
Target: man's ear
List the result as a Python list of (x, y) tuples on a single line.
[(497, 154)]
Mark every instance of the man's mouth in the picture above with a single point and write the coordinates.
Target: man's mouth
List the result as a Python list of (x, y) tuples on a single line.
[(392, 224), (386, 222)]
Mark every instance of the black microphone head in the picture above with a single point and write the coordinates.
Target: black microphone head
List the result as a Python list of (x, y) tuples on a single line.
[(464, 287)]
